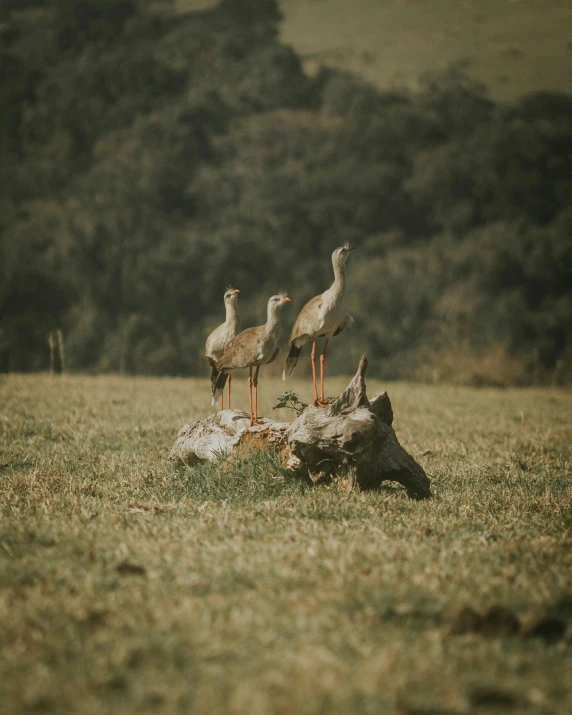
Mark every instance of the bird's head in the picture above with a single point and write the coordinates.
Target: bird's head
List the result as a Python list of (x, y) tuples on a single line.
[(341, 254), (278, 301), (231, 295)]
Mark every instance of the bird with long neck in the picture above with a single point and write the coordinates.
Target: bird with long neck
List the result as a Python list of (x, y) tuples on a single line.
[(324, 316), (222, 335), (252, 348)]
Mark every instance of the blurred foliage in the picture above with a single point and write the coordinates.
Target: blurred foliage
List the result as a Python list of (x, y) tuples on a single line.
[(149, 159)]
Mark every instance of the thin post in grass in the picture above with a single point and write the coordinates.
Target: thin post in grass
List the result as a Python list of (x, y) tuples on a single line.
[(123, 352), (52, 344), (61, 351)]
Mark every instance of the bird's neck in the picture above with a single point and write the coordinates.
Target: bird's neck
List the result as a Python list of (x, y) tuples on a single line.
[(339, 285), (272, 322), (232, 315)]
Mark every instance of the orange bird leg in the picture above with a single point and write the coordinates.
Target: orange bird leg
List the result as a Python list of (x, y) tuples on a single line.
[(250, 392), (323, 368), (316, 401), (229, 381), (255, 422)]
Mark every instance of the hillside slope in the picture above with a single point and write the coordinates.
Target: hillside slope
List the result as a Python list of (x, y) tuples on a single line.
[(512, 46)]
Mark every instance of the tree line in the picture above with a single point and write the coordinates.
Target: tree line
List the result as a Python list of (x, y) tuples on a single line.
[(149, 159)]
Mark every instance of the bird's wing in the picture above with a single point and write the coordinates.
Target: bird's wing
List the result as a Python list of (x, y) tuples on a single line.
[(348, 320), (308, 321), (213, 347), (243, 350), (218, 340), (275, 354)]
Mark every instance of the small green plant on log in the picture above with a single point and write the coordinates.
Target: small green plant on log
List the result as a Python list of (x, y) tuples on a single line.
[(289, 400)]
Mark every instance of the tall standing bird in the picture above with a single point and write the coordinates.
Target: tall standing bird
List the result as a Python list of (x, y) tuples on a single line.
[(252, 348), (324, 316), (221, 337)]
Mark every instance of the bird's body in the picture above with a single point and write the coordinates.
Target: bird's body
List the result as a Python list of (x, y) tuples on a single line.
[(252, 348), (324, 316), (221, 336)]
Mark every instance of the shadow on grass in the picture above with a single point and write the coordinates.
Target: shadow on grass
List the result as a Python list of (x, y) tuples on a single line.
[(256, 476), (250, 477)]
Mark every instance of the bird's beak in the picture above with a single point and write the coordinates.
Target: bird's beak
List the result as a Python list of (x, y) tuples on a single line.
[(286, 300), (235, 291), (351, 248)]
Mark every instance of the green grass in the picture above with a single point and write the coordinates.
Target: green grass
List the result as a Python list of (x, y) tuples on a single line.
[(513, 46), (246, 592)]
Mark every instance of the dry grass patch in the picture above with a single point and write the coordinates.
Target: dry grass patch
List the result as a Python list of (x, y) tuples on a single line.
[(129, 586)]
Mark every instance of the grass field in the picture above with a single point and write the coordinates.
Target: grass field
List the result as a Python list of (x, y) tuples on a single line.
[(513, 46), (129, 586)]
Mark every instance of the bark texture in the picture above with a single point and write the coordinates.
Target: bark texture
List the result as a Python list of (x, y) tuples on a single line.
[(220, 434), (351, 439)]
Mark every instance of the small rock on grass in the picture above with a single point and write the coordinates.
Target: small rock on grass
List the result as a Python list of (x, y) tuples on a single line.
[(498, 620), (501, 621), (493, 621), (548, 628), (426, 531), (406, 709), (461, 620), (492, 697), (126, 568)]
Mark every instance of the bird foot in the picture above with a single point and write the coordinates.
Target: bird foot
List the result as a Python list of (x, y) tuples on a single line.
[(254, 423), (322, 403)]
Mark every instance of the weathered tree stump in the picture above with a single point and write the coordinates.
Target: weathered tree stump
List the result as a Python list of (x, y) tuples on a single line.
[(351, 439), (220, 434)]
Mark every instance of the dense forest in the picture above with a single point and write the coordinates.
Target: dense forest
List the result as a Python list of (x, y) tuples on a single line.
[(149, 159)]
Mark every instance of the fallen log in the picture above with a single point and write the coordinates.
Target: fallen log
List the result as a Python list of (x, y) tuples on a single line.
[(219, 435), (351, 439)]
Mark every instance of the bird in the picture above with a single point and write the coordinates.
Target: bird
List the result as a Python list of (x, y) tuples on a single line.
[(324, 316), (221, 337), (252, 348)]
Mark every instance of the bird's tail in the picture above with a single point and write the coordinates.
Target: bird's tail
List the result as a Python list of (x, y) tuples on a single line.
[(291, 360), (214, 375), (218, 384)]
